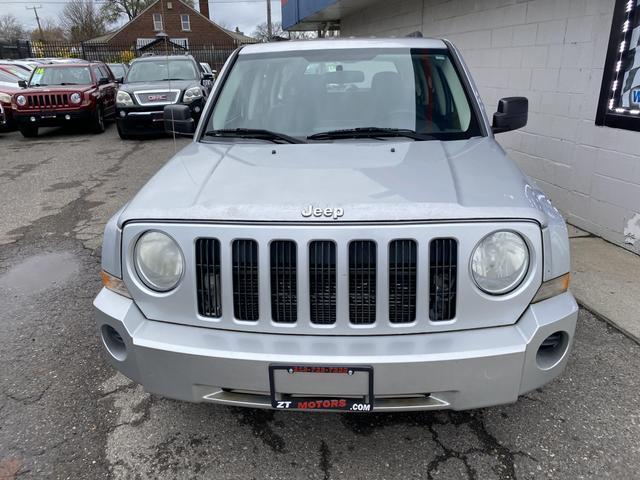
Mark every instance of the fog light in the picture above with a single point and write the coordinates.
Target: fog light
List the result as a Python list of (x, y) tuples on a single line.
[(197, 109), (67, 117), (33, 119), (113, 342), (122, 114), (552, 349)]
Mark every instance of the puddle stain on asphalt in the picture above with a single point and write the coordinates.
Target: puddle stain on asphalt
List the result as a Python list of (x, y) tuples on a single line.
[(40, 272)]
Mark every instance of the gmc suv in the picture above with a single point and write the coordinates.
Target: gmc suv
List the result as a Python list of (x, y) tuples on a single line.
[(153, 82), (344, 233)]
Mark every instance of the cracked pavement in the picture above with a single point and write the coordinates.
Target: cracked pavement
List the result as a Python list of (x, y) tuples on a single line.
[(65, 413)]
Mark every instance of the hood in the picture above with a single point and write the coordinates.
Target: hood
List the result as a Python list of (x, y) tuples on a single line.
[(367, 181), (173, 85)]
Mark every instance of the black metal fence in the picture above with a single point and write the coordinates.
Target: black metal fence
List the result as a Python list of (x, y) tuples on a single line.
[(214, 55)]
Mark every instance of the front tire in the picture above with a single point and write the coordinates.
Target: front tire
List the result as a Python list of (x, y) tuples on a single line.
[(122, 134), (28, 131), (98, 121)]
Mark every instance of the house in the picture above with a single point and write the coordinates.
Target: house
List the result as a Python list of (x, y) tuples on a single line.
[(183, 25)]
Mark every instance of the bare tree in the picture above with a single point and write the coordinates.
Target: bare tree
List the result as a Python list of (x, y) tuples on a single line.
[(81, 20), (261, 33), (51, 31), (10, 28)]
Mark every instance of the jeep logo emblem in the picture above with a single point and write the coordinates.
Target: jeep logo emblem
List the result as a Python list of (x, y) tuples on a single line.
[(317, 212)]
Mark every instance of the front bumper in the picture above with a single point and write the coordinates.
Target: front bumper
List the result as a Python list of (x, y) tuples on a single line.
[(141, 119), (53, 118), (454, 370)]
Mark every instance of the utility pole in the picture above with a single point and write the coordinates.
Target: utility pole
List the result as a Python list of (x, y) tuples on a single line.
[(35, 10), (269, 29)]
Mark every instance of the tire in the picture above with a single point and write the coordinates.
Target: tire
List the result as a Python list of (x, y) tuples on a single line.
[(98, 121), (28, 131), (123, 135)]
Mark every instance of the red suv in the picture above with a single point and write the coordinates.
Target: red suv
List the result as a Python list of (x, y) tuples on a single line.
[(61, 94)]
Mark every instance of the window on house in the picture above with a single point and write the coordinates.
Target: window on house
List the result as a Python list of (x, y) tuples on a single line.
[(157, 22), (619, 104), (186, 24)]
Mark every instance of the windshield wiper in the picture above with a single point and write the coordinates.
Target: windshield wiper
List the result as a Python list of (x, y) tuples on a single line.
[(253, 133), (38, 85), (369, 132), (68, 83)]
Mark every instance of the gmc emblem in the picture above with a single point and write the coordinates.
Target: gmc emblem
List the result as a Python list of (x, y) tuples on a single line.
[(155, 98)]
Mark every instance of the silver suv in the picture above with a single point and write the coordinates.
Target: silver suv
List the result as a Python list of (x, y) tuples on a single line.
[(344, 233)]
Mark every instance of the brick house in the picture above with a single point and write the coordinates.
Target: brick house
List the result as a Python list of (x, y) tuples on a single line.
[(182, 24)]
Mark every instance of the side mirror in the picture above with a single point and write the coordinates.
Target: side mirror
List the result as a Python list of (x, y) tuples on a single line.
[(207, 76), (512, 114), (22, 83), (178, 120), (120, 80), (103, 81)]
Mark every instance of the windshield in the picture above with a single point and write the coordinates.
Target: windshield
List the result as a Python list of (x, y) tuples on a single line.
[(117, 69), (60, 76), (161, 70), (8, 78), (307, 92)]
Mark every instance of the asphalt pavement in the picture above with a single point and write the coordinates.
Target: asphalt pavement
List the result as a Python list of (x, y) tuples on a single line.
[(65, 413)]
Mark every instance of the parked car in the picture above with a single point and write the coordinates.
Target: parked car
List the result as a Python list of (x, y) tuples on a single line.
[(15, 70), (119, 70), (153, 82), (24, 64), (65, 93), (363, 248), (6, 92)]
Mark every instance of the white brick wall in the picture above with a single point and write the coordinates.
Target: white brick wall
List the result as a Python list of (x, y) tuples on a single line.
[(551, 51)]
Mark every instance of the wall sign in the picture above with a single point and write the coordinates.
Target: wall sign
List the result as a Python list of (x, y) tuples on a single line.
[(619, 104)]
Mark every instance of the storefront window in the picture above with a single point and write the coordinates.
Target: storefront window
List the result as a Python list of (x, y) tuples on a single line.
[(619, 104)]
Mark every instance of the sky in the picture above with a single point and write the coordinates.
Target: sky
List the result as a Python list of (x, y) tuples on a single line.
[(245, 14)]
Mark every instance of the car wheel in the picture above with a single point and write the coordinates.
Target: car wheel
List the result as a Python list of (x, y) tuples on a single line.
[(123, 135), (98, 121), (28, 131)]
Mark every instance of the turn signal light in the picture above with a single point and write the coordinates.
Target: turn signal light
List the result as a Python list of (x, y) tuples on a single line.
[(114, 284), (551, 288)]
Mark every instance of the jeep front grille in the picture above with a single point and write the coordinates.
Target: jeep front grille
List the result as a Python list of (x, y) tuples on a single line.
[(361, 288), (443, 265), (48, 100), (245, 280), (403, 261), (284, 281), (322, 282), (208, 277), (362, 282)]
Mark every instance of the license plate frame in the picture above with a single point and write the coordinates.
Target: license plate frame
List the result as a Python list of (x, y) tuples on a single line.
[(319, 402)]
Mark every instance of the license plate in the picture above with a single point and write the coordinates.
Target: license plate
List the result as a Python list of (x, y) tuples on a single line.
[(48, 115), (348, 388)]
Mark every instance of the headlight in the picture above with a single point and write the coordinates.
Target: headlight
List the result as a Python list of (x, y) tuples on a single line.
[(5, 98), (75, 98), (21, 100), (192, 94), (158, 261), (500, 262), (123, 99)]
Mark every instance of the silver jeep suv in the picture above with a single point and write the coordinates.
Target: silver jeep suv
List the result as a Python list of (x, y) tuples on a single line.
[(344, 233)]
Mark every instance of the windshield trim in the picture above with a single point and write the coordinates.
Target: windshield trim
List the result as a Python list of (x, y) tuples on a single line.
[(478, 115)]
